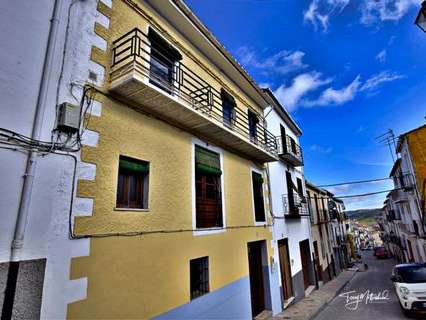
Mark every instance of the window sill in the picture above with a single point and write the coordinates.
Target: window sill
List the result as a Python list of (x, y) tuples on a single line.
[(131, 209), (208, 231), (260, 223)]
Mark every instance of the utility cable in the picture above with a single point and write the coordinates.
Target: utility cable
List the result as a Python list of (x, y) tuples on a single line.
[(353, 182), (365, 194)]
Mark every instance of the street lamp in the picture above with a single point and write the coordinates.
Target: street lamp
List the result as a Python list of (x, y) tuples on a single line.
[(421, 17)]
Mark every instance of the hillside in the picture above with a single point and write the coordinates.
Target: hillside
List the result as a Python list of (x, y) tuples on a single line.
[(365, 216)]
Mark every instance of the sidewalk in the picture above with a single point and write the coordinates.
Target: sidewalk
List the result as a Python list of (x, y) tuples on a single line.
[(310, 306)]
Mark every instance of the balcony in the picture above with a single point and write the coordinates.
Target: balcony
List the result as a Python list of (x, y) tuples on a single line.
[(398, 195), (405, 181), (393, 215), (172, 91), (295, 207), (290, 151), (324, 216)]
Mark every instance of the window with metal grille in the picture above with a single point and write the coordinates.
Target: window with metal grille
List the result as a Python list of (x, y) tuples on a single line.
[(208, 189), (133, 183), (259, 207), (199, 276)]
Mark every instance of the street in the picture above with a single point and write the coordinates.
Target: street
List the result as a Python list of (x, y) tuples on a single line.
[(376, 280)]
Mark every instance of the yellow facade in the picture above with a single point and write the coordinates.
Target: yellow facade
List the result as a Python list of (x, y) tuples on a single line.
[(138, 265), (417, 146), (323, 243)]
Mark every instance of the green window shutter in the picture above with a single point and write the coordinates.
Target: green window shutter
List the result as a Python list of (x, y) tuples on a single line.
[(207, 161), (133, 166)]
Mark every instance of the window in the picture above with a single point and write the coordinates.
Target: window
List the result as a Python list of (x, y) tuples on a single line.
[(259, 208), (162, 63), (228, 108), (133, 183), (252, 122), (293, 146), (199, 276), (208, 189)]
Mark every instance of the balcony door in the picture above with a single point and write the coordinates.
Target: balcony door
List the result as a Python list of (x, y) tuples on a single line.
[(228, 108), (252, 122), (290, 195), (162, 63), (283, 139)]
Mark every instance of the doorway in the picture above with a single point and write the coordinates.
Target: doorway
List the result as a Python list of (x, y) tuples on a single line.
[(257, 291), (286, 280), (306, 261), (317, 262)]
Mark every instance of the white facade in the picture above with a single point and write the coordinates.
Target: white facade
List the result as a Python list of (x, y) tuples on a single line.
[(25, 29), (404, 201), (294, 230)]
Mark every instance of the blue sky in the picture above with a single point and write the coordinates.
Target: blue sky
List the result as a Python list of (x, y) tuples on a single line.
[(346, 70)]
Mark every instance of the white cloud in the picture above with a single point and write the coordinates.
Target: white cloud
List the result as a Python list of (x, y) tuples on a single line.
[(377, 80), (281, 62), (319, 12), (320, 149), (381, 56), (373, 11), (331, 96), (300, 86)]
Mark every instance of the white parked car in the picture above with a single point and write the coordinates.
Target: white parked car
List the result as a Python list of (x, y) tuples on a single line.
[(410, 286)]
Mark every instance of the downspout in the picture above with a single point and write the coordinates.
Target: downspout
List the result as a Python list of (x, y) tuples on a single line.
[(23, 212)]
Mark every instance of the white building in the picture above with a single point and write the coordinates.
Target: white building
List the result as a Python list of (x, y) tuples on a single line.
[(293, 273), (45, 61), (404, 201)]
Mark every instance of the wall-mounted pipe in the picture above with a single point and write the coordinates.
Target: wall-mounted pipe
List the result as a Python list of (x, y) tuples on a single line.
[(28, 178)]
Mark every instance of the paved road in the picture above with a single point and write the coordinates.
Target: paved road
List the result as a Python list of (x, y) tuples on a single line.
[(375, 279)]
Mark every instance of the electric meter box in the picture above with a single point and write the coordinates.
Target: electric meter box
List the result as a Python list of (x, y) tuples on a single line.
[(68, 117)]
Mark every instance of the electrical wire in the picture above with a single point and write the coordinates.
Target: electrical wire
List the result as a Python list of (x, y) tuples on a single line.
[(353, 182), (366, 194)]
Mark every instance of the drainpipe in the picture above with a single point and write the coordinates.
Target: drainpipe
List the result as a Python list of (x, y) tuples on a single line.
[(23, 212)]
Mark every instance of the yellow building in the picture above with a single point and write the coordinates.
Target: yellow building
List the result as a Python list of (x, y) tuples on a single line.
[(414, 142), (320, 226), (180, 224)]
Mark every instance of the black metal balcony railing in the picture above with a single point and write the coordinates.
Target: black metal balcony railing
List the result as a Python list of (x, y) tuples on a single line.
[(296, 208), (178, 80), (324, 216), (290, 150)]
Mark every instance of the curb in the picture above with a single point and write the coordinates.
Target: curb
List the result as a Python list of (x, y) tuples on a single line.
[(318, 311)]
